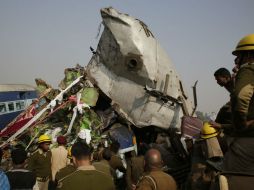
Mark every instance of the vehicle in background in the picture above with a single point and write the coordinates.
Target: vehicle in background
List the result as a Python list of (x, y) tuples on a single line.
[(14, 99)]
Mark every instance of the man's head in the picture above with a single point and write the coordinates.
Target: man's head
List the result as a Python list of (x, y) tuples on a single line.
[(19, 156), (61, 140), (114, 147), (106, 154), (222, 76), (153, 160), (44, 142), (81, 154), (244, 50), (44, 146)]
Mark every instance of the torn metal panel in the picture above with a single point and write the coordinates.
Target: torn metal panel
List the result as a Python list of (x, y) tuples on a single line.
[(128, 59)]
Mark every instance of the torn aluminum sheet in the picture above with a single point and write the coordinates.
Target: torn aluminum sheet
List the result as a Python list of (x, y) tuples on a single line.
[(129, 60)]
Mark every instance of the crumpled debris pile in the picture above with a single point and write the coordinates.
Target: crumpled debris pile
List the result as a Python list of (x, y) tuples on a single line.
[(73, 113), (129, 87)]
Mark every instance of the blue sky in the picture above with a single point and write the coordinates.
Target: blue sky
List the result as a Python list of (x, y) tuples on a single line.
[(39, 39)]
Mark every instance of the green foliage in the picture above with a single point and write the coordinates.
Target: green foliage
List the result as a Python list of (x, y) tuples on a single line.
[(89, 96)]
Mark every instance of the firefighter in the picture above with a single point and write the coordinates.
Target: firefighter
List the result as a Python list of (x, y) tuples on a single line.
[(240, 157), (40, 163), (206, 159)]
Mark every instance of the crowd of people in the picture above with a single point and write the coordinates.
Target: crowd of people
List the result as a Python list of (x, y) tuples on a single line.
[(79, 167)]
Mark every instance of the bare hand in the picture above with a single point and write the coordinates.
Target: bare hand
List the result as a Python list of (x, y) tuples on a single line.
[(215, 125)]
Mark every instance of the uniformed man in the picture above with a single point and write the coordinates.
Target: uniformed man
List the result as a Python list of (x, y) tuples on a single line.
[(40, 163), (86, 176), (135, 167), (240, 157), (206, 159), (70, 168), (116, 163), (155, 178), (103, 164)]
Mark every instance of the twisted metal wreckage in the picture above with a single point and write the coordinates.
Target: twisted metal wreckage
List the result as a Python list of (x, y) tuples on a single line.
[(128, 89)]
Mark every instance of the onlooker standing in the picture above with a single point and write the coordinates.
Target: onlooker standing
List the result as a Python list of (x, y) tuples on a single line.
[(40, 163), (115, 160), (70, 168), (4, 183), (117, 165), (155, 177), (19, 177), (59, 156), (135, 167), (103, 164)]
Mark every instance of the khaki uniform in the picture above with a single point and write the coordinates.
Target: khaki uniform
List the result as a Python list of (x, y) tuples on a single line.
[(242, 100), (116, 163), (135, 169), (240, 182), (104, 167), (59, 159), (86, 177), (157, 180), (239, 158), (40, 164), (70, 168)]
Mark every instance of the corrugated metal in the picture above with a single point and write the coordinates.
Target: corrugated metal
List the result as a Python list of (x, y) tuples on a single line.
[(16, 87)]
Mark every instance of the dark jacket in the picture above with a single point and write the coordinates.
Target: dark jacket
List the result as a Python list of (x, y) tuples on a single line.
[(21, 179)]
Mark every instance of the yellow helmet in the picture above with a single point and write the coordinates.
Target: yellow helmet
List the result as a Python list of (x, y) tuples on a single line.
[(44, 138), (69, 153), (245, 44), (207, 131)]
